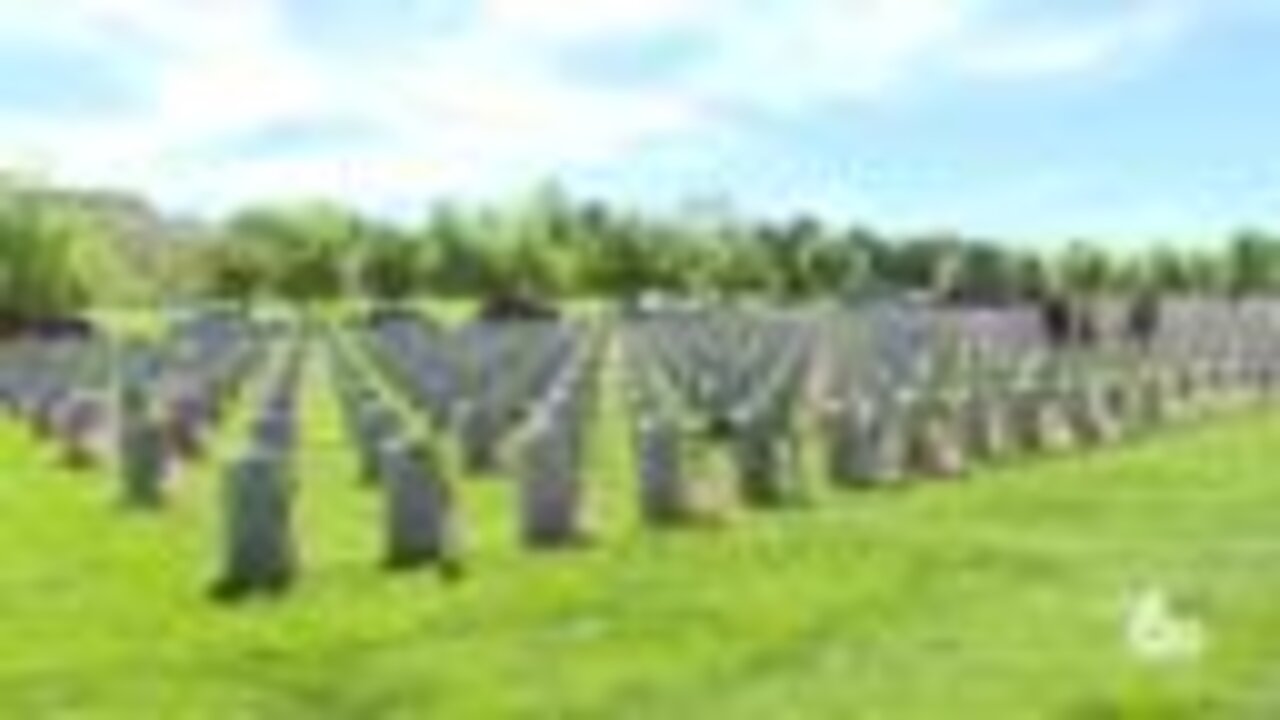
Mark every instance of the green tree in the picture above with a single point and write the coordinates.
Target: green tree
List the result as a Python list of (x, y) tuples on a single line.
[(1253, 263), (392, 264), (307, 248), (1083, 269), (39, 275)]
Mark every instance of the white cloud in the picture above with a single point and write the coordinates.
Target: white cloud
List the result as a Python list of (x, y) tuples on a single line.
[(560, 20), (458, 115), (1013, 53), (202, 70), (492, 105), (833, 49)]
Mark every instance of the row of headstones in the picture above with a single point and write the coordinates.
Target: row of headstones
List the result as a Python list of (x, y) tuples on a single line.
[(744, 455), (695, 462), (547, 455), (511, 358), (887, 434), (893, 345), (734, 345), (936, 433), (685, 476), (64, 389), (714, 383), (1186, 329), (479, 389), (258, 552), (420, 517), (49, 388), (490, 365), (420, 523), (166, 410), (551, 451), (493, 407), (415, 356)]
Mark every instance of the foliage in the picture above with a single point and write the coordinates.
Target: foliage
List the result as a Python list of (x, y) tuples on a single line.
[(39, 276), (62, 249)]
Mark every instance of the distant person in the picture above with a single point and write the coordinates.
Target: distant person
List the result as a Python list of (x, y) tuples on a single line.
[(1055, 317), (1068, 322), (1085, 325), (516, 306), (1143, 322)]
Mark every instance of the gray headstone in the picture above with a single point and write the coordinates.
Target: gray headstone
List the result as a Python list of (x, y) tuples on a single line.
[(765, 467), (880, 441), (258, 549), (477, 429), (550, 488), (82, 420), (1121, 402), (418, 507), (935, 449), (1039, 420), (375, 424), (143, 463), (986, 431), (185, 419), (1091, 419), (663, 496), (274, 430), (1158, 404), (838, 429), (44, 410)]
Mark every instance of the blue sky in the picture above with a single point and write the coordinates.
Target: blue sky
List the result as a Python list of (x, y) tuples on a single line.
[(1128, 119)]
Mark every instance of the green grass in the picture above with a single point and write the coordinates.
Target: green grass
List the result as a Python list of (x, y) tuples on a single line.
[(1001, 597)]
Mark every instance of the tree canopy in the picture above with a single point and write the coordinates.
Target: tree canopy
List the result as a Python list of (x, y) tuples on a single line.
[(61, 250)]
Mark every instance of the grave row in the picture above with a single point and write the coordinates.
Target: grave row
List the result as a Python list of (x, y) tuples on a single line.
[(728, 409), (172, 395), (400, 458), (130, 403), (258, 487), (902, 392)]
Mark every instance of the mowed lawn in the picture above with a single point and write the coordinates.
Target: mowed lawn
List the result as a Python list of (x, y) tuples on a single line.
[(1003, 596)]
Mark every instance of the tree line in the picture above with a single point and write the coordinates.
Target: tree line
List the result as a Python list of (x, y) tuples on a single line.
[(62, 250)]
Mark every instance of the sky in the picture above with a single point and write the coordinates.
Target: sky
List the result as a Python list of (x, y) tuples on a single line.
[(1124, 120)]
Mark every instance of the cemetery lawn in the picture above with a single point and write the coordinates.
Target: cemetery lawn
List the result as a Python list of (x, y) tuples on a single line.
[(999, 597)]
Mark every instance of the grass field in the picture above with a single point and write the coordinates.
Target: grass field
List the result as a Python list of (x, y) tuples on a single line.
[(1000, 597)]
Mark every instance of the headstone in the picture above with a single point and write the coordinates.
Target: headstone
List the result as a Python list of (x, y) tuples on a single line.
[(764, 460), (838, 428), (418, 508), (274, 430), (375, 423), (1039, 421), (44, 410), (258, 549), (880, 440), (986, 432), (1189, 388), (1120, 399), (142, 462), (81, 423), (550, 488), (663, 496), (1159, 404), (935, 449), (712, 486), (1091, 420), (477, 431), (185, 418)]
